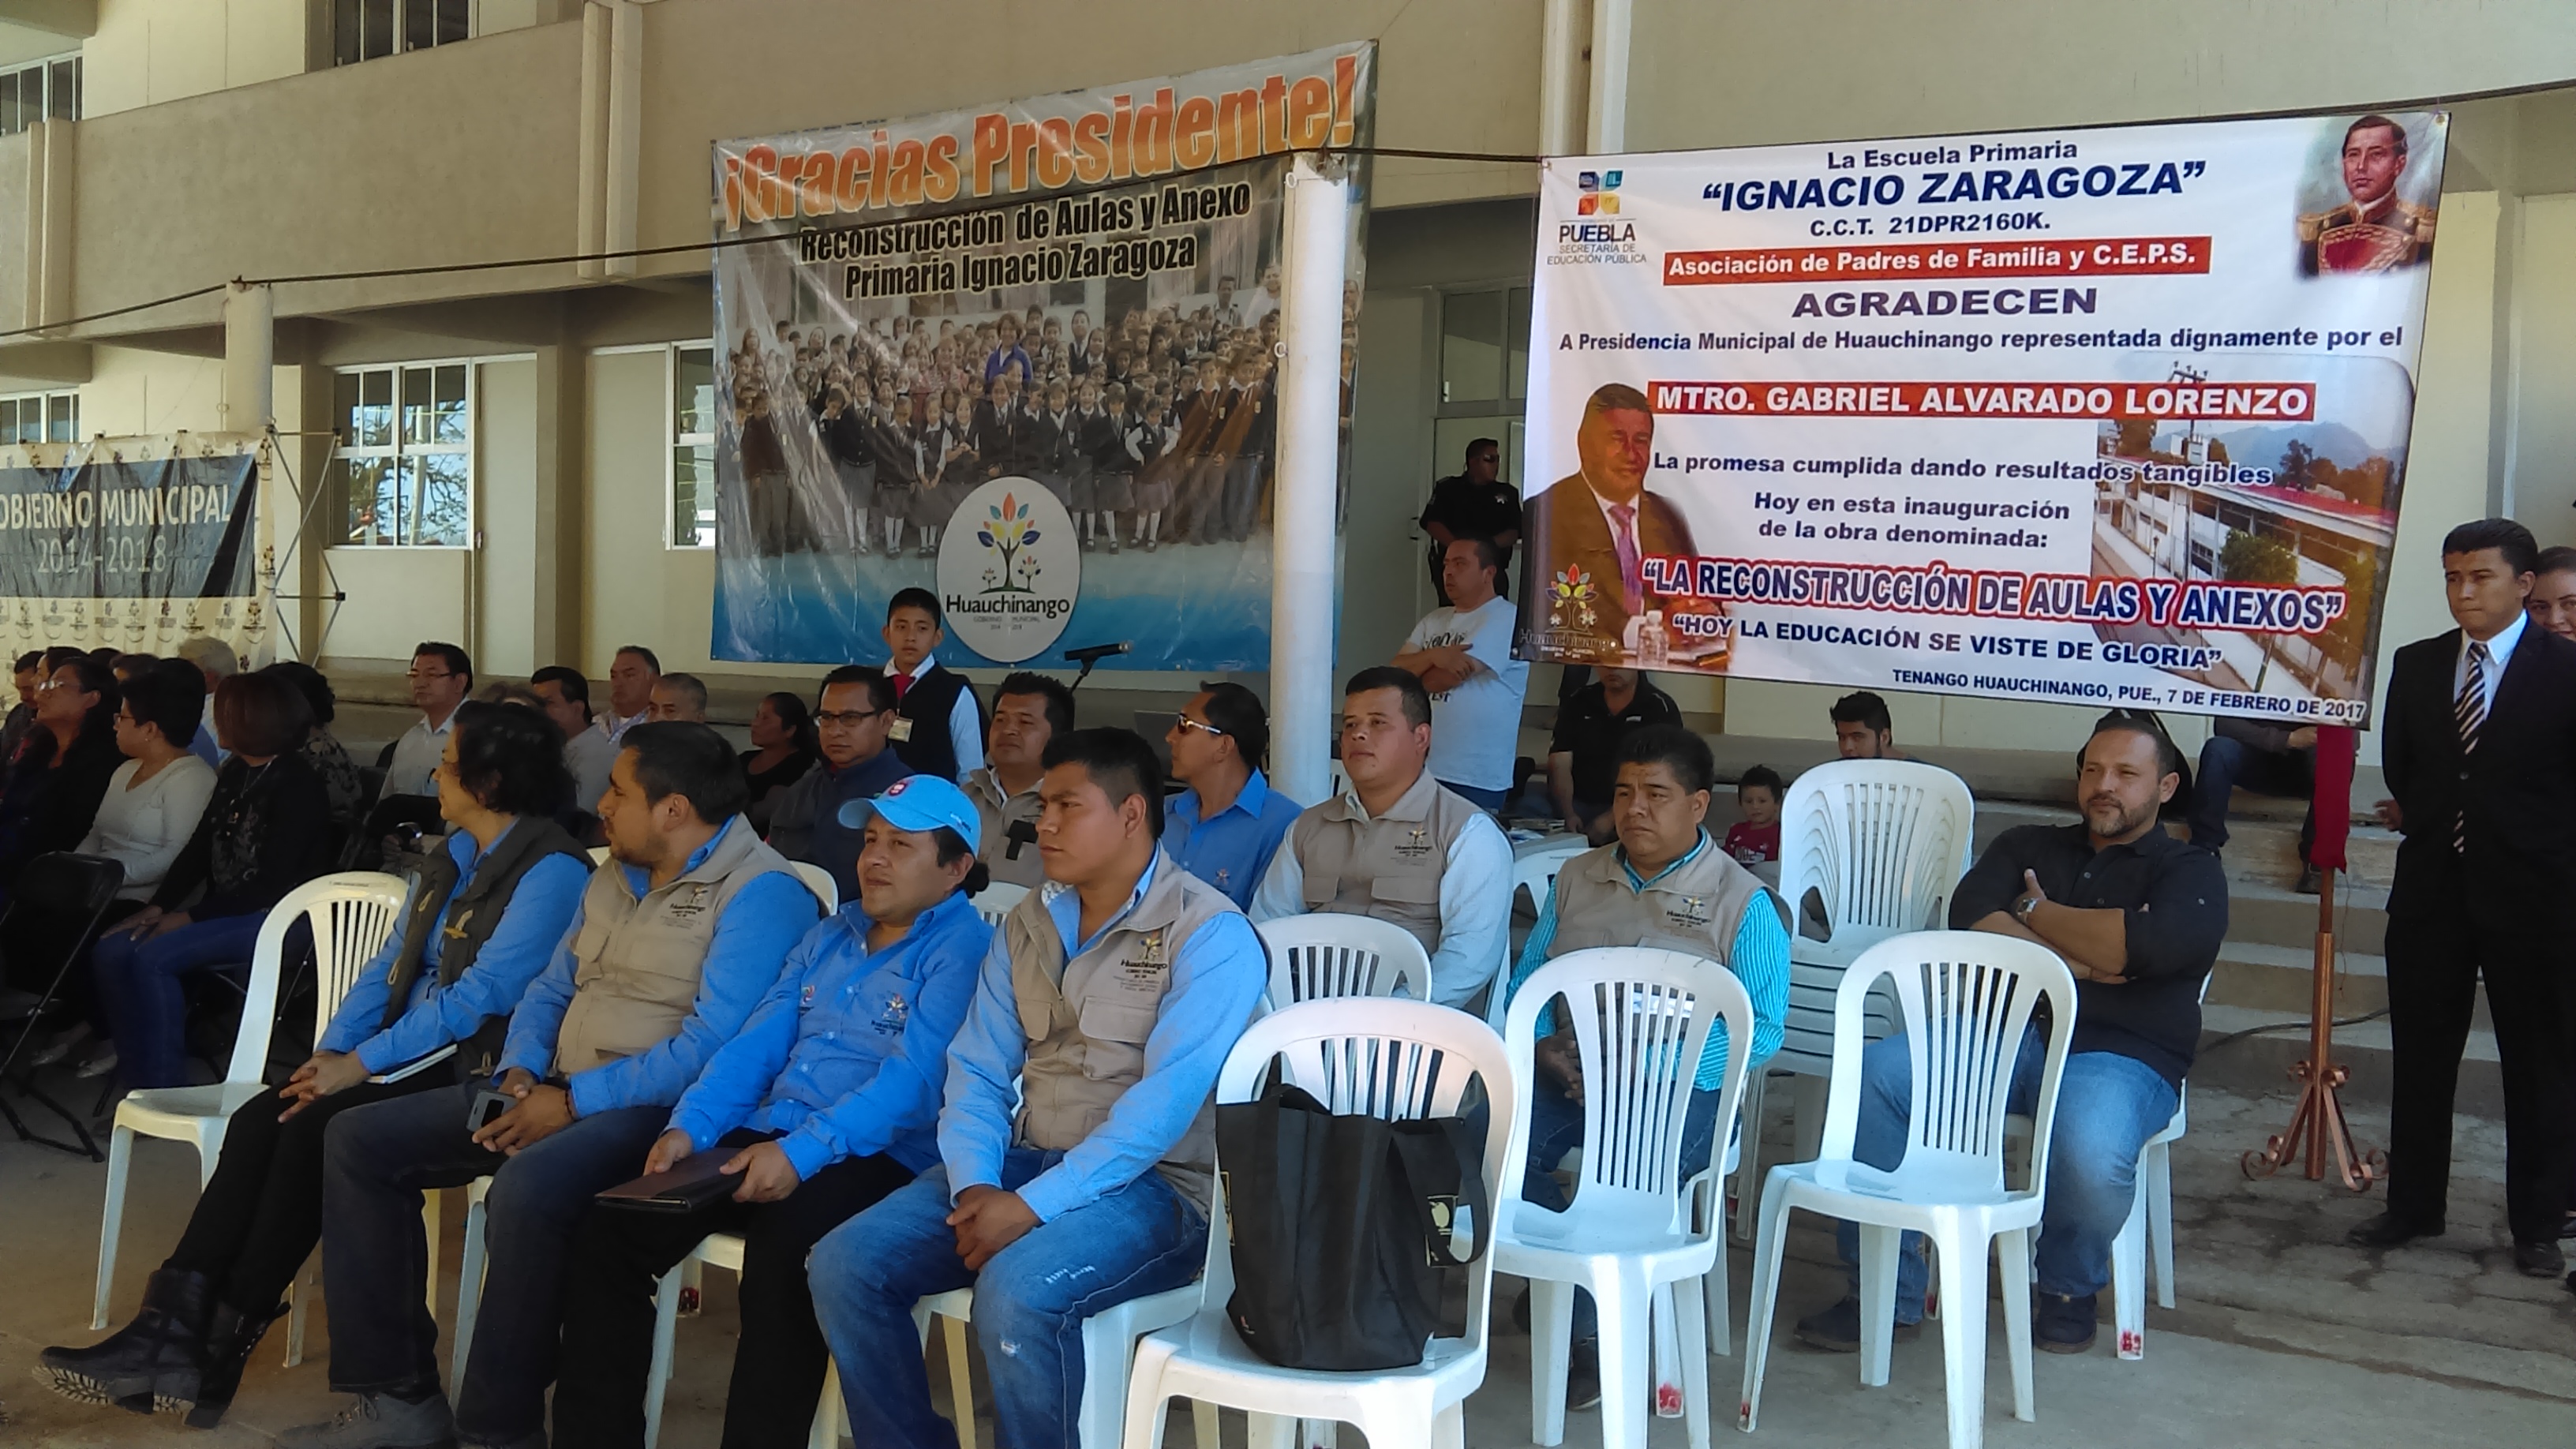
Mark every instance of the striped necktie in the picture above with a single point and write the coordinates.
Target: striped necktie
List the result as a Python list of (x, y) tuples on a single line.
[(2469, 711)]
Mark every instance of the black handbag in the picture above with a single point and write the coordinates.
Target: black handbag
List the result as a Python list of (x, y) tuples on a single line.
[(1343, 1230)]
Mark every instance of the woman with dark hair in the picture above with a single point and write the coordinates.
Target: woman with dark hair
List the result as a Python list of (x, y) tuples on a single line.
[(783, 748), (63, 765), (486, 916), (1227, 825), (342, 785), (266, 830)]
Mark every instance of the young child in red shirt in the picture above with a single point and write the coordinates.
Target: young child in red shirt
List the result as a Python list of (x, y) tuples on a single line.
[(1756, 838)]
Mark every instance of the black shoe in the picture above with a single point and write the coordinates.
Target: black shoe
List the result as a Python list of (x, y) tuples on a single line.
[(153, 1362), (230, 1340), (2388, 1230), (1837, 1329), (2567, 1229), (2539, 1260), (1583, 1375), (2063, 1324), (2311, 881)]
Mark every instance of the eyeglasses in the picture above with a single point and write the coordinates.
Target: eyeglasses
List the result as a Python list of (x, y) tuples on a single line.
[(1187, 723), (418, 674), (830, 717)]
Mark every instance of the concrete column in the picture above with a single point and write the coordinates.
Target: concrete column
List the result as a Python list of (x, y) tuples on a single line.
[(1563, 29), (555, 635), (625, 132), (1310, 408), (1609, 110), (250, 355), (590, 215)]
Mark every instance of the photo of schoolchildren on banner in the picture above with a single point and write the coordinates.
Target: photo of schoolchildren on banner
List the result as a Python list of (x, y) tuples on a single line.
[(1024, 357), (2113, 416)]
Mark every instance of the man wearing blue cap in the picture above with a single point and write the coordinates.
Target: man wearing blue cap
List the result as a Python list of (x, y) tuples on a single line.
[(827, 1102)]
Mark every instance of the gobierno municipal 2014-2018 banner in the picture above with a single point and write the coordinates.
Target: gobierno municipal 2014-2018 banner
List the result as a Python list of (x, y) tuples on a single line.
[(2111, 416)]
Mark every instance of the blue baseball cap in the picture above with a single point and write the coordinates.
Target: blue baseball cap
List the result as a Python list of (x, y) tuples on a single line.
[(920, 802)]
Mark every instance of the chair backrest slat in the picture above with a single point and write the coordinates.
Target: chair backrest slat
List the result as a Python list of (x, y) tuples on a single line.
[(998, 899), (1880, 842), (1327, 954), (342, 943)]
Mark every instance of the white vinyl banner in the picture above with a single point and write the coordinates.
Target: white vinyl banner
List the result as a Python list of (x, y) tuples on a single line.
[(2097, 416)]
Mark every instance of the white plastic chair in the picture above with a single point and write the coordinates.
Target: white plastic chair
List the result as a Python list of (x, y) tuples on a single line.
[(352, 912), (1534, 869), (1965, 997), (1331, 953), (999, 899), (470, 1266), (1640, 1018), (1395, 1059), (1108, 1348), (1881, 843)]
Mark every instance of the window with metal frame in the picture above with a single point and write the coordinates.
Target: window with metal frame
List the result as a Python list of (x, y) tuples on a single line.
[(40, 417), (39, 90), (374, 29), (692, 512), (1484, 376), (406, 456)]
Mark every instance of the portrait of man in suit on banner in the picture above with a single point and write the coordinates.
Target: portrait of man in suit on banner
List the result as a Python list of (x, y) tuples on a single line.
[(1587, 598)]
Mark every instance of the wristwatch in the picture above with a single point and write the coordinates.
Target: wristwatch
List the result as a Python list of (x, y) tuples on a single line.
[(2022, 908)]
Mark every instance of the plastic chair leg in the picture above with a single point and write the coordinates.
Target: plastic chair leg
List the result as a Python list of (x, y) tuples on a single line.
[(111, 1223), (2160, 1220), (1691, 1320), (1627, 1331), (2128, 1277), (1764, 1302), (1963, 1345), (1203, 1424), (1748, 1171), (469, 1293), (1878, 1250), (299, 1303), (1810, 1118), (429, 1215), (828, 1411), (961, 1382), (1717, 1329), (1448, 1429), (657, 1377), (1664, 1387), (1551, 1345), (1260, 1431), (2013, 1251)]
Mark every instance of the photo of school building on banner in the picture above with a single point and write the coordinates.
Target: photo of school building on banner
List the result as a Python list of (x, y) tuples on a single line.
[(134, 544), (2113, 416), (1022, 356)]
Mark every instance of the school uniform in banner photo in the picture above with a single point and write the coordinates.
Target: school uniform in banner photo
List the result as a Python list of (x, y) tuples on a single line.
[(2098, 417), (1024, 356)]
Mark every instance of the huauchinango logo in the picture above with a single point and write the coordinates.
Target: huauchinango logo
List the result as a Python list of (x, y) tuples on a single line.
[(1008, 569)]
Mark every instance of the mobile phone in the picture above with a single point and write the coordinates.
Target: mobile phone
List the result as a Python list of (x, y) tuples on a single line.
[(488, 1106)]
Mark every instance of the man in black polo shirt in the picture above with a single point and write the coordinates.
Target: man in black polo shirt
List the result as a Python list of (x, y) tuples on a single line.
[(1473, 504), (1583, 756), (2137, 916)]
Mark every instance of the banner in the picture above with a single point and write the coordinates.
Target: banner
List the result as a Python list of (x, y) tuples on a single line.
[(2112, 417), (132, 544), (1022, 357)]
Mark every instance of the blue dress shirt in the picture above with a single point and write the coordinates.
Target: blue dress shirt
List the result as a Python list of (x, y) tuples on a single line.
[(540, 909), (846, 1054), (1230, 850), (1217, 978), (760, 925)]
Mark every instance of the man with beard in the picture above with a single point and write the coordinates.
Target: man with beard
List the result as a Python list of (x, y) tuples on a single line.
[(2137, 916)]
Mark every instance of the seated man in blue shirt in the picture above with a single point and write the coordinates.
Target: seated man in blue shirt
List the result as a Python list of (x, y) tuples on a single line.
[(425, 1013), (1662, 883), (853, 717), (827, 1101), (675, 942), (1093, 1188), (1225, 827)]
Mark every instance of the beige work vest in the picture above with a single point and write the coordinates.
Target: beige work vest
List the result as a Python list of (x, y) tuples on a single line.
[(637, 962), (1695, 907), (996, 813), (1388, 867), (1087, 1019)]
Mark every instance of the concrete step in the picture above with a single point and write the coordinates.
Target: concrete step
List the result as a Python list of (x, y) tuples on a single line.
[(2279, 979), (2263, 913), (2261, 1061)]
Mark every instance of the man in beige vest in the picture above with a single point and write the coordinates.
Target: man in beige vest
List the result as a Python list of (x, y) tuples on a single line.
[(1399, 845), (674, 944), (1111, 997), (1662, 883), (1029, 711)]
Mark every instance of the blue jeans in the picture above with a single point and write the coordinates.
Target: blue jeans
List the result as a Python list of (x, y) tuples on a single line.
[(140, 996), (2227, 763), (1030, 1300), (1556, 1128), (377, 1160), (2108, 1106)]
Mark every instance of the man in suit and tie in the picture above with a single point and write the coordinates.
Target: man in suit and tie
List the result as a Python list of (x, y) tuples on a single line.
[(2479, 744), (1591, 532)]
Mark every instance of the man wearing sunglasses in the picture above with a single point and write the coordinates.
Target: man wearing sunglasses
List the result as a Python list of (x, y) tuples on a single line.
[(852, 714), (1228, 824)]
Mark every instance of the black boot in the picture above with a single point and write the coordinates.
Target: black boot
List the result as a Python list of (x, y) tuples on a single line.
[(231, 1337), (157, 1357)]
